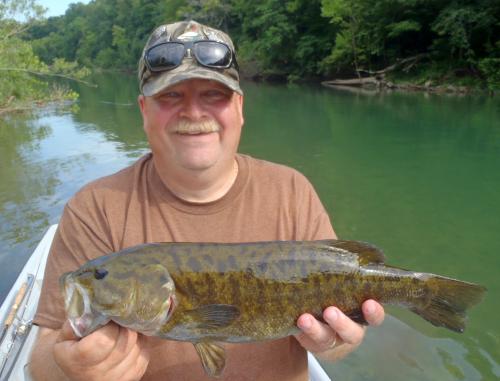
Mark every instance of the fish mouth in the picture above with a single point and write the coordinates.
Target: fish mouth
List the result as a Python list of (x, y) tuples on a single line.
[(82, 318)]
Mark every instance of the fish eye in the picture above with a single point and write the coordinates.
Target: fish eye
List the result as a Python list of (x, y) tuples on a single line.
[(100, 273)]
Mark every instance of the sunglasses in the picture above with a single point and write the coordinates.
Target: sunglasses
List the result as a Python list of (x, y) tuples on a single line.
[(208, 53)]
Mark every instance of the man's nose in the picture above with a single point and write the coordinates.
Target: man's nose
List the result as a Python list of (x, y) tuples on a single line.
[(192, 109)]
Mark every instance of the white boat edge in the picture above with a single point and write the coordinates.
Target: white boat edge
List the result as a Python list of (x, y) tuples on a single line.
[(23, 334)]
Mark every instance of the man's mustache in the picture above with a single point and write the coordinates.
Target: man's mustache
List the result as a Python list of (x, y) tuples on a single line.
[(185, 126)]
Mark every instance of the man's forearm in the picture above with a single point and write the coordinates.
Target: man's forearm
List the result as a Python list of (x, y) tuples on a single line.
[(42, 365)]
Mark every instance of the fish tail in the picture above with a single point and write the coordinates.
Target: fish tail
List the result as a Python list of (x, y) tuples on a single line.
[(448, 302)]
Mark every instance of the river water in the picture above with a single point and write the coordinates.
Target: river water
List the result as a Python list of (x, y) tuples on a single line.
[(417, 175)]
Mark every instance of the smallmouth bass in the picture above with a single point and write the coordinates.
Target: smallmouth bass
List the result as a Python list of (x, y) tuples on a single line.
[(207, 293)]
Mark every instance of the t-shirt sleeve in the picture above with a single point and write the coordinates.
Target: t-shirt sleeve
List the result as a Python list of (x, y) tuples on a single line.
[(80, 236)]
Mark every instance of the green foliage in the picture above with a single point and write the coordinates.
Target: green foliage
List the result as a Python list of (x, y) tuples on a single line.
[(372, 33), (24, 77), (292, 39), (285, 39), (490, 67), (398, 28), (375, 34), (456, 24)]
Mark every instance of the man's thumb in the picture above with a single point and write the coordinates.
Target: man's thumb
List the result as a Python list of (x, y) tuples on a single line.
[(66, 333)]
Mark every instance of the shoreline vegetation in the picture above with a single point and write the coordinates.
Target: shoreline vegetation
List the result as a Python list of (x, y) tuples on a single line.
[(434, 46), (25, 80)]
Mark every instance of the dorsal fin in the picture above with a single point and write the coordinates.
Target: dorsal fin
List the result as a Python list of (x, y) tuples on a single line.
[(366, 252)]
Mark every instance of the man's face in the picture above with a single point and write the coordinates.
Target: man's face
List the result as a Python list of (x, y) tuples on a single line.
[(194, 125)]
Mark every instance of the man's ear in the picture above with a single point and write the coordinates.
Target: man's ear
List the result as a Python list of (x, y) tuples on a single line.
[(241, 109), (141, 100)]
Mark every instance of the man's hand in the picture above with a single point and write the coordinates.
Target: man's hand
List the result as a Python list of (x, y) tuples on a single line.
[(340, 335), (111, 353)]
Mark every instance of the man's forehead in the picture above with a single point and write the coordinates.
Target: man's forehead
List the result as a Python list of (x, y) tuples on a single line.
[(198, 83)]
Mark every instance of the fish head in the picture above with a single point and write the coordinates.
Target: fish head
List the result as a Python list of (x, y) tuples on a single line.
[(137, 296)]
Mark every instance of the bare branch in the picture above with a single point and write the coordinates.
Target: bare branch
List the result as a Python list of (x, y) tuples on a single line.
[(16, 31), (411, 60)]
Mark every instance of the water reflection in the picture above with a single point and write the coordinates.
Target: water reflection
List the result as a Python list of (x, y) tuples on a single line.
[(23, 182), (397, 351), (46, 158), (112, 109)]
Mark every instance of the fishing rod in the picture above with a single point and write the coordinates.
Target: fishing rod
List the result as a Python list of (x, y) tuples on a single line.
[(15, 314)]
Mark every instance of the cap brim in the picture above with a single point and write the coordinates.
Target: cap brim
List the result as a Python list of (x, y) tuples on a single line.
[(188, 70)]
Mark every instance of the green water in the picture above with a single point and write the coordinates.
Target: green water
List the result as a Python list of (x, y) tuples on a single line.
[(417, 175)]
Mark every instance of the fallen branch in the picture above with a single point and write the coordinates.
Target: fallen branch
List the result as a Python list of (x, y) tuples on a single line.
[(376, 78), (6, 110), (27, 105), (352, 82), (48, 75), (411, 60)]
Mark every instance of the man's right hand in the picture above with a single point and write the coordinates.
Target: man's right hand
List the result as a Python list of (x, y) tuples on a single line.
[(111, 353)]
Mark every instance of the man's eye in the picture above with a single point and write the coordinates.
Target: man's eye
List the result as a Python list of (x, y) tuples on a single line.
[(216, 94), (170, 95)]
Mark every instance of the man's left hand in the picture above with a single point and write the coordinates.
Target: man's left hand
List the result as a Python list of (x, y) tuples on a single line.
[(339, 335)]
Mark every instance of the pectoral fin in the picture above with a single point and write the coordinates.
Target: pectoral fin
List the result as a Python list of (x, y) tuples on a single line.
[(212, 356), (214, 315)]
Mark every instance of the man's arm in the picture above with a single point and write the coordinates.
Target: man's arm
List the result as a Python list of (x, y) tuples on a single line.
[(111, 353), (339, 336)]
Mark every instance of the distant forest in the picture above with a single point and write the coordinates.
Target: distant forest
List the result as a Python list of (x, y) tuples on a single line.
[(294, 39)]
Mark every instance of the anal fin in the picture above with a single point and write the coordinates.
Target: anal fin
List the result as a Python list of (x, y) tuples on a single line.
[(212, 356)]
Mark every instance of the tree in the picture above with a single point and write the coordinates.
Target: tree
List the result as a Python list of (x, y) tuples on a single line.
[(23, 82), (291, 39)]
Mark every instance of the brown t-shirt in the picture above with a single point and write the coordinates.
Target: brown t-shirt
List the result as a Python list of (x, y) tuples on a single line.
[(267, 202)]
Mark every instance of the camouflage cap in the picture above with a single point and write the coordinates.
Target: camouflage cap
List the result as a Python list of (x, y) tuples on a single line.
[(152, 83)]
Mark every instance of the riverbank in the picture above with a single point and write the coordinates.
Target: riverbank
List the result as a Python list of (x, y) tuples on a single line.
[(436, 82), (444, 84), (375, 84)]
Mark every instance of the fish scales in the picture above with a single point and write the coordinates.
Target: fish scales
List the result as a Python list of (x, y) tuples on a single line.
[(280, 290), (207, 292)]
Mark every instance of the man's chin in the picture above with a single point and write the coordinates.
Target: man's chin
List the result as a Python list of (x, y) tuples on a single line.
[(198, 164)]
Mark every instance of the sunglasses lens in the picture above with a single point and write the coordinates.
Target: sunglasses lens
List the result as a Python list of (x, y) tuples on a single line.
[(165, 56), (213, 54)]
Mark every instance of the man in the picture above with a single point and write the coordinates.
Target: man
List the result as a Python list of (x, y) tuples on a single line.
[(193, 187)]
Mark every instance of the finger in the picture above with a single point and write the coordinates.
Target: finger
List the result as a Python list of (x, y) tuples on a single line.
[(143, 360), (315, 336), (66, 333), (122, 346), (373, 312), (127, 341), (96, 347), (349, 331), (140, 364), (134, 364), (65, 344)]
